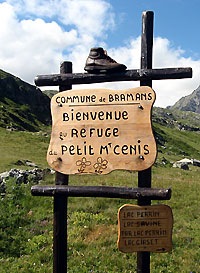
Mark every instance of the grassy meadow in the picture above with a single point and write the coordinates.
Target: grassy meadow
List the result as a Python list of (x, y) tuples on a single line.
[(26, 221)]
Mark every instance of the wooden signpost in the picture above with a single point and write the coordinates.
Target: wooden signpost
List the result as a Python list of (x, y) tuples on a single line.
[(97, 131), (127, 143), (145, 228)]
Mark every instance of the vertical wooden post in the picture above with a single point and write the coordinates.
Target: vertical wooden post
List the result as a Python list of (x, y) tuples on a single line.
[(144, 177), (60, 206)]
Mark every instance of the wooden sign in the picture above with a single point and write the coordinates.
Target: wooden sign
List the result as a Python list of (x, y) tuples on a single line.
[(95, 131), (145, 228)]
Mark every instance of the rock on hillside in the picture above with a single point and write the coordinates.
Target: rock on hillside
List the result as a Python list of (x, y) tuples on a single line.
[(189, 103), (22, 105), (180, 120)]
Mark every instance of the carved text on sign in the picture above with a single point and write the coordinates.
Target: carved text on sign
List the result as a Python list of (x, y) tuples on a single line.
[(95, 131), (145, 228)]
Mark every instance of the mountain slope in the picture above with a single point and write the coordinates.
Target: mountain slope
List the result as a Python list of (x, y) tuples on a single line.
[(177, 134), (189, 103), (22, 106), (25, 107)]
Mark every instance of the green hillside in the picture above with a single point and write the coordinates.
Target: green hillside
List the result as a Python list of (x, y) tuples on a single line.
[(50, 93), (173, 143), (26, 222), (177, 133), (22, 106)]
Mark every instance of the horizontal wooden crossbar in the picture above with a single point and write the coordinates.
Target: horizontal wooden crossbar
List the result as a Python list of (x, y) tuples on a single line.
[(128, 75), (102, 191)]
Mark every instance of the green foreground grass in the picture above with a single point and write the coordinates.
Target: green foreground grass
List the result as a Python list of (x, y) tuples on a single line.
[(19, 145), (26, 221)]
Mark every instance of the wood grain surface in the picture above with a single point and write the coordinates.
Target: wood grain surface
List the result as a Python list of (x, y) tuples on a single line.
[(95, 131), (145, 228)]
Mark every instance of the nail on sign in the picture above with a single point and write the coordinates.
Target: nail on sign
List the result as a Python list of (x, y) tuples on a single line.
[(95, 131)]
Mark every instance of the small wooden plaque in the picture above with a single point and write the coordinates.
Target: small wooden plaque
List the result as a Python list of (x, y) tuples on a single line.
[(95, 131), (145, 228)]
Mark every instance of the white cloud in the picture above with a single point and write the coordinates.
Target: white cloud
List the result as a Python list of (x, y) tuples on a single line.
[(32, 46), (29, 47), (164, 55), (169, 91), (36, 35), (87, 16)]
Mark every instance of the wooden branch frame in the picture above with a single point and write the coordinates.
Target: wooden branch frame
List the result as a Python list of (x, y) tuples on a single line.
[(144, 193), (128, 75), (102, 191)]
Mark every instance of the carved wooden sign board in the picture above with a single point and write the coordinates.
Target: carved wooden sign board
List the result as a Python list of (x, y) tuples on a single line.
[(145, 228), (95, 131)]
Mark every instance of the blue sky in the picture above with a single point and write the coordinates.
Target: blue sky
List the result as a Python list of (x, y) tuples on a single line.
[(36, 35), (176, 20)]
